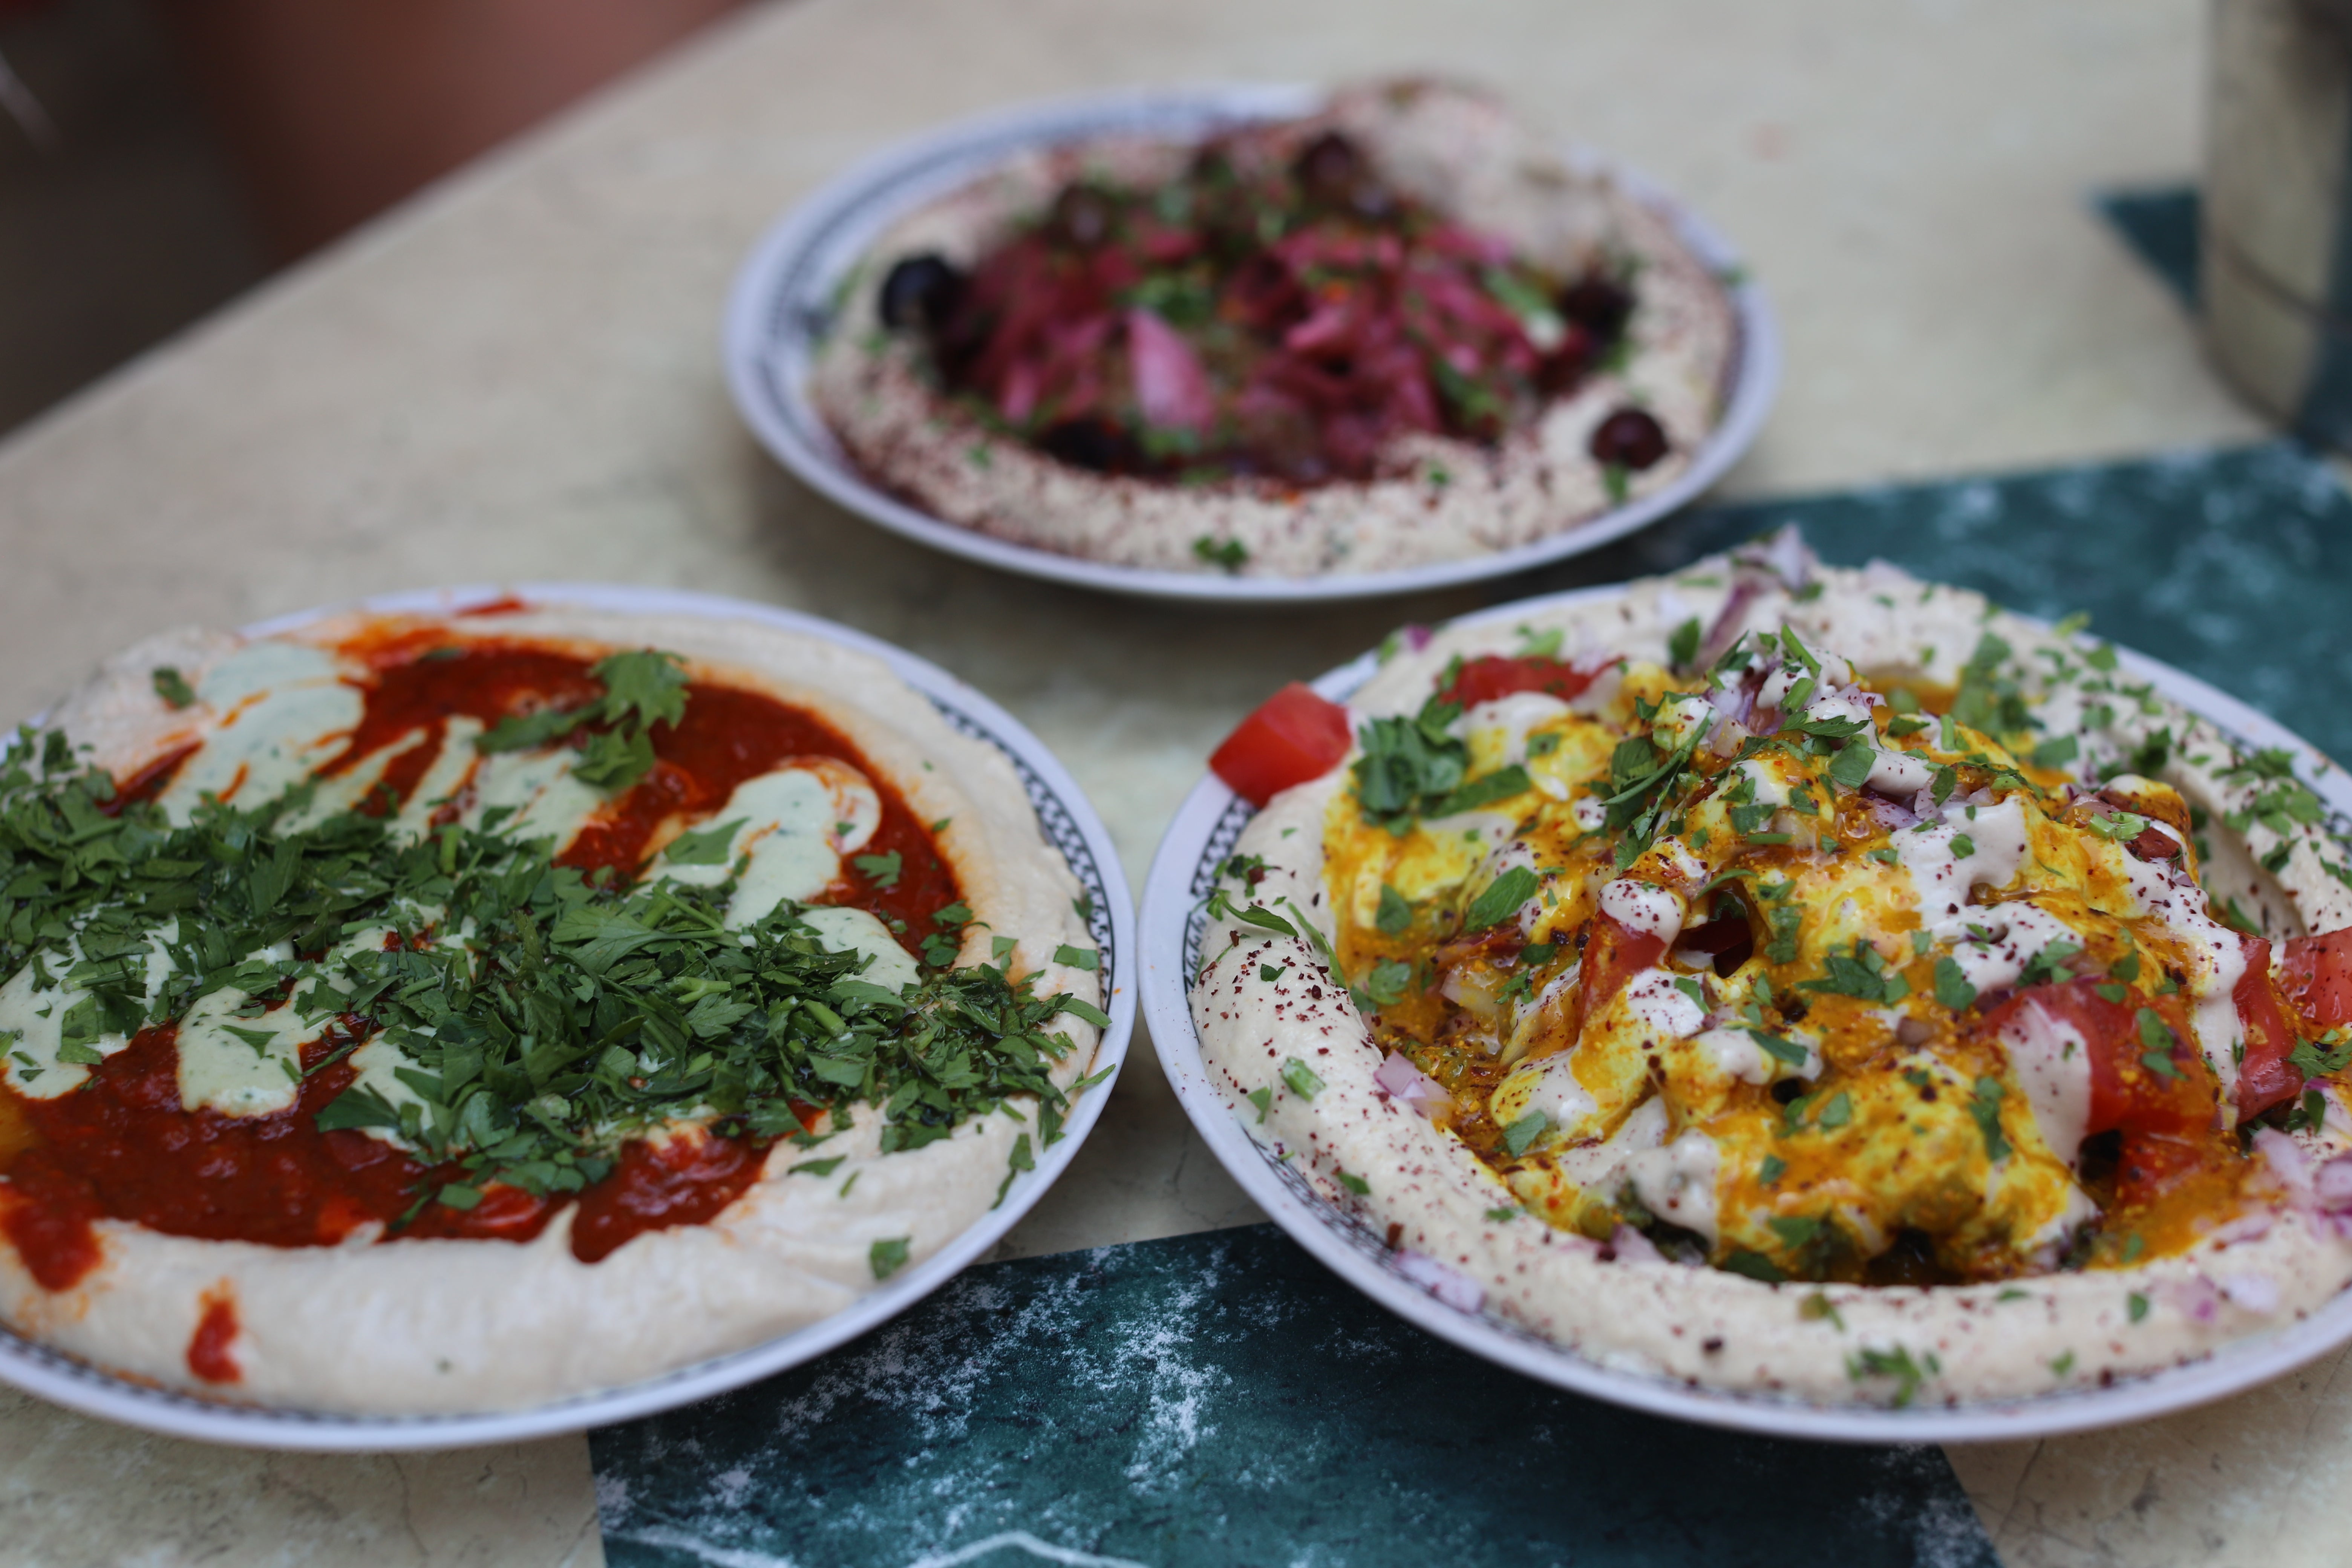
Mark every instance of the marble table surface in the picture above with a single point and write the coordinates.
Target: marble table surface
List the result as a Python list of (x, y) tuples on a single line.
[(516, 377)]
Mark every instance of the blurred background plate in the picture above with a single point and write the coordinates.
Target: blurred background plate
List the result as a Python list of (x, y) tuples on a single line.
[(788, 291), (1185, 871), (1067, 823)]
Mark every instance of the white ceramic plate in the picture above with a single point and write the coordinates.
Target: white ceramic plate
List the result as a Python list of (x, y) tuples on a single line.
[(1070, 825), (787, 295), (1183, 873)]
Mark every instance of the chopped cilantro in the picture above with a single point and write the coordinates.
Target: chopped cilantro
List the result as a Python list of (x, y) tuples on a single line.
[(1501, 899), (882, 870), (887, 1257), (1895, 1364), (704, 845), (578, 1013), (172, 687), (1985, 1106), (1386, 982), (2056, 753), (1394, 916), (1682, 647), (1356, 1185), (2157, 1036), (1851, 767), (2314, 1060), (1521, 1134), (1231, 554), (1952, 988)]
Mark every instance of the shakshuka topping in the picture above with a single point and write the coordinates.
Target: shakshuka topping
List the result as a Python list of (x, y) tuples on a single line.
[(1765, 964), (432, 935)]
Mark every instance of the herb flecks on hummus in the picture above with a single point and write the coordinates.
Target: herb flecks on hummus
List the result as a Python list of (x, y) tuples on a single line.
[(1400, 330), (1753, 929)]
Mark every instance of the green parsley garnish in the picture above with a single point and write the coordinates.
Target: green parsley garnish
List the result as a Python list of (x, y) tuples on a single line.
[(546, 1017), (172, 687), (642, 690), (1520, 1135), (882, 870)]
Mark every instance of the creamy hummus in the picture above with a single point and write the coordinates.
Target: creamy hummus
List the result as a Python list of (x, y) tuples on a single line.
[(1292, 1049), (445, 1326), (1435, 498)]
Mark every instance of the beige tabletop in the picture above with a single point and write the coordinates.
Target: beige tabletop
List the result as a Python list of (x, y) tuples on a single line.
[(517, 376)]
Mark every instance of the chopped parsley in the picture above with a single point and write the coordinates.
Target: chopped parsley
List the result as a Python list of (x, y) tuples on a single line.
[(1985, 1106), (1501, 899), (547, 1018), (642, 690), (1230, 554), (1520, 1135), (172, 687)]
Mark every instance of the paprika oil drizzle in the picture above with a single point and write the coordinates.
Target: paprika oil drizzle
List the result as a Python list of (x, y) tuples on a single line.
[(216, 1331), (123, 1147)]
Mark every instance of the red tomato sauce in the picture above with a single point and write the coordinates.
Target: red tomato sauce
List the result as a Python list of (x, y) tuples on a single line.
[(122, 1146)]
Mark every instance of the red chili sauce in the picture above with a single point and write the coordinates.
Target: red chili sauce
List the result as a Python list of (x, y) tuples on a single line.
[(123, 1147), (216, 1331)]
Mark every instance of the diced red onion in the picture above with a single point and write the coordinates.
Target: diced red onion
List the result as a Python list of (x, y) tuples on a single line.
[(2257, 1293), (1744, 590), (1784, 552), (1449, 1284), (1416, 637), (2196, 1297), (1406, 1082), (1632, 1247), (1171, 389), (1887, 814), (2333, 1184)]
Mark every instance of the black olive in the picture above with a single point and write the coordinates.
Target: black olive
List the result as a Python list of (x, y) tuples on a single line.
[(1602, 306), (1566, 365), (1081, 218), (1092, 442), (1328, 167), (1332, 172), (1629, 438), (921, 292)]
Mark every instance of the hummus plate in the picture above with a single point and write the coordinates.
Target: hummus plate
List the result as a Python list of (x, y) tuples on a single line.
[(1066, 823), (789, 293), (1347, 1237)]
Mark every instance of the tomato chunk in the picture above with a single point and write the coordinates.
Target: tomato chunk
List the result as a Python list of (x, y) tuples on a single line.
[(1294, 736), (2316, 978), (1485, 679), (2265, 1076), (2135, 1084), (1613, 955)]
